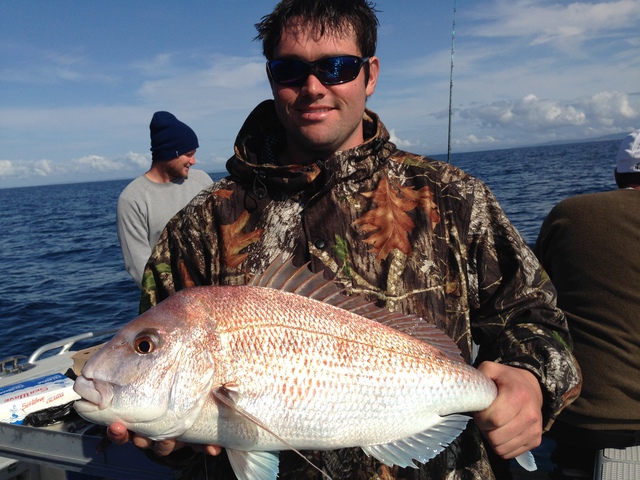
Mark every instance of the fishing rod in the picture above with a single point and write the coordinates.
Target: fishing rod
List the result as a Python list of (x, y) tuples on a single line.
[(453, 37)]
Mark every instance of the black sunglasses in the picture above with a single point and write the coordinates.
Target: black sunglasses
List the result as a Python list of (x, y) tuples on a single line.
[(330, 71)]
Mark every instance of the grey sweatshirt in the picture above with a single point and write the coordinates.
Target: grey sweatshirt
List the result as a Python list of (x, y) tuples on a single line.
[(144, 208)]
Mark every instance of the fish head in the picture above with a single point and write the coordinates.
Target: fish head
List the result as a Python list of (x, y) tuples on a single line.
[(156, 373)]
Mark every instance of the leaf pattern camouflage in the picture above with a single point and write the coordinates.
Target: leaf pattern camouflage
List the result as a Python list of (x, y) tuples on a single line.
[(412, 233)]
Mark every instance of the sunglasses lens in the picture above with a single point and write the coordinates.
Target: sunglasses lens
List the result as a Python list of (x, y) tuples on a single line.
[(289, 72), (336, 70), (330, 71)]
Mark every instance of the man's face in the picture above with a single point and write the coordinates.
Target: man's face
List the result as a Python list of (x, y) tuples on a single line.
[(320, 119), (179, 167)]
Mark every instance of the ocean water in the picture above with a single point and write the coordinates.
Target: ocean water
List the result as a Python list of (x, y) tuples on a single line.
[(61, 270), (529, 181)]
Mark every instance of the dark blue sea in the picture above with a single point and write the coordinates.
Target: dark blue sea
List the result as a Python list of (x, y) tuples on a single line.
[(61, 270)]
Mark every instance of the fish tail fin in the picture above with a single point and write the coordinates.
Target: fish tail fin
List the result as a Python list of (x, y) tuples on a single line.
[(527, 461)]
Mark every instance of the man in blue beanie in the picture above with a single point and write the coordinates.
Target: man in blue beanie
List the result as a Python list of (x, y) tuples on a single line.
[(148, 203)]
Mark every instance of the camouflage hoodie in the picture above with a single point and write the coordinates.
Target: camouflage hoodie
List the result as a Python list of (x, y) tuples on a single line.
[(410, 232)]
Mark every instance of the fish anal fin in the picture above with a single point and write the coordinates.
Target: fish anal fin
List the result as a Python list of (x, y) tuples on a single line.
[(421, 447), (254, 465)]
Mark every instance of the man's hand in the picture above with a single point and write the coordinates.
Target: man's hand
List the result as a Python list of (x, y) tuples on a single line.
[(513, 422), (119, 435)]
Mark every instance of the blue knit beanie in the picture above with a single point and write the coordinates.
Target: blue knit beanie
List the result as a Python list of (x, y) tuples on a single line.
[(170, 138)]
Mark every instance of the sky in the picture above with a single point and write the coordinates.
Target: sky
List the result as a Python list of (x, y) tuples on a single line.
[(80, 81)]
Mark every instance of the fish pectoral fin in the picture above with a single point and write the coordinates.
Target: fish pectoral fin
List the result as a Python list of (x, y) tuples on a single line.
[(254, 465), (225, 396), (230, 390), (422, 446)]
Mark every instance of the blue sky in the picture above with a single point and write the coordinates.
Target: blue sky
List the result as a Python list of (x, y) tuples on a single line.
[(79, 81)]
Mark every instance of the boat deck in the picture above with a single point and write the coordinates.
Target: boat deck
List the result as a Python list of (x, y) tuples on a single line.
[(80, 451)]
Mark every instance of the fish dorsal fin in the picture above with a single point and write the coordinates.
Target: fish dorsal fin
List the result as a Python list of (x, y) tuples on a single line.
[(422, 446), (253, 465), (282, 275)]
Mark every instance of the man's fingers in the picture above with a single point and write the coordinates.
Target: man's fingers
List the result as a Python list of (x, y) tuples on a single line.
[(212, 450), (142, 442), (165, 447), (118, 433)]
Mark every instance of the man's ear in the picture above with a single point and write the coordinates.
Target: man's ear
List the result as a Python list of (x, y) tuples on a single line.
[(374, 69)]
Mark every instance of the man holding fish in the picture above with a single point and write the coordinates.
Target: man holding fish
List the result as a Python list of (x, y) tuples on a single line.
[(315, 178)]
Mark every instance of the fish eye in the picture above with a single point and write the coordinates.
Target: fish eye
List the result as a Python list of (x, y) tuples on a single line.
[(144, 344)]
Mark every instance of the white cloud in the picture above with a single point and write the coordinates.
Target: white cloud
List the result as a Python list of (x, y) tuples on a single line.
[(7, 168), (87, 168), (91, 165), (472, 140), (611, 109), (602, 113), (561, 24), (23, 169), (400, 143), (228, 83), (46, 66), (43, 168), (161, 62), (97, 163), (138, 160)]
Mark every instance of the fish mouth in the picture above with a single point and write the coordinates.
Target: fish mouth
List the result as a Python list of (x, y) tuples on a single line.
[(93, 392)]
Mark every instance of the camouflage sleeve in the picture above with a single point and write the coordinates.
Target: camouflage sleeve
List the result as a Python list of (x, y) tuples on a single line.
[(183, 256), (516, 321)]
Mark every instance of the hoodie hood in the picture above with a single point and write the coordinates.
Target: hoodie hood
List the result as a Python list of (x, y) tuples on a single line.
[(262, 137)]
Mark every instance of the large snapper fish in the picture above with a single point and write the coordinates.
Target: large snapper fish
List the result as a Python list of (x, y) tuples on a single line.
[(287, 362)]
